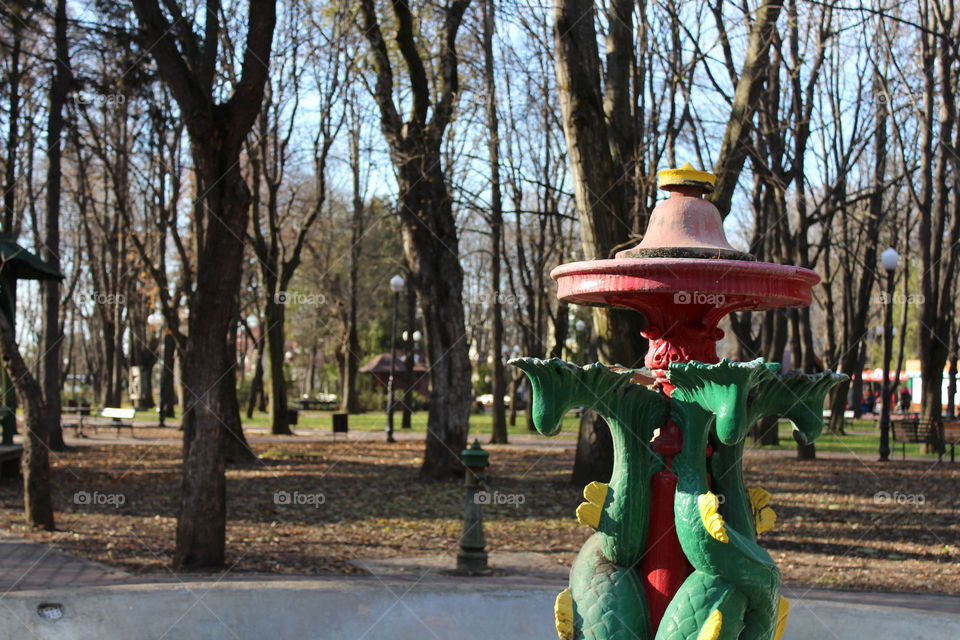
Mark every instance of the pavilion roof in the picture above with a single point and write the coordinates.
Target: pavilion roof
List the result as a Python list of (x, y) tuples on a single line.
[(23, 265)]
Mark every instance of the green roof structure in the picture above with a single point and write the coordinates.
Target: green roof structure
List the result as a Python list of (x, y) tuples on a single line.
[(20, 264)]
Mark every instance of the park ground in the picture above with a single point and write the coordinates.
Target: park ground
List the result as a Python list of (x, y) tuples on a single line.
[(315, 505)]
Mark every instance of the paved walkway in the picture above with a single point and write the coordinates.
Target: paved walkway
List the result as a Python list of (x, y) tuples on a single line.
[(31, 566), (26, 565)]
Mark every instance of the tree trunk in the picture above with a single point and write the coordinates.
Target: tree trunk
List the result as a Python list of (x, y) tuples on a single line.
[(13, 126), (276, 380), (256, 383), (35, 464), (216, 131), (594, 457), (236, 449), (167, 395), (515, 383), (952, 378), (806, 451), (766, 432), (350, 401), (618, 341), (499, 428), (50, 289), (936, 168), (207, 382), (427, 224), (733, 148), (604, 201), (838, 405), (145, 401), (430, 246)]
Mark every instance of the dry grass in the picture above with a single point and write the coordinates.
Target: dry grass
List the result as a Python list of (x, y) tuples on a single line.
[(832, 530)]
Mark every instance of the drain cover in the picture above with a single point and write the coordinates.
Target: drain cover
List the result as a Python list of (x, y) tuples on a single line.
[(50, 610)]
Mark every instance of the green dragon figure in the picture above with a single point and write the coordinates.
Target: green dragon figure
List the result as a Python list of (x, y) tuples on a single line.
[(734, 590)]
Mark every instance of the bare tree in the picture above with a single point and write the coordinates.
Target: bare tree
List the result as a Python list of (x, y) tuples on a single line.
[(279, 257), (217, 129), (425, 210), (50, 251), (350, 351), (499, 427), (939, 213), (37, 502), (610, 160)]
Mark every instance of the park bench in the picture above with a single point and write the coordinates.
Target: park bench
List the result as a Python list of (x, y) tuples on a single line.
[(908, 430), (10, 455), (81, 412), (950, 436), (312, 404), (119, 417)]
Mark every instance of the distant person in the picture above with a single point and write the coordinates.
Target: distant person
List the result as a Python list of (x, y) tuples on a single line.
[(906, 399)]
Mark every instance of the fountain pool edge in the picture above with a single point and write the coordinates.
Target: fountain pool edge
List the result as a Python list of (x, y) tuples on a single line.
[(350, 609)]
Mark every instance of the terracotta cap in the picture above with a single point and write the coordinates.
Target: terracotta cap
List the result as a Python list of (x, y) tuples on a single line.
[(685, 225)]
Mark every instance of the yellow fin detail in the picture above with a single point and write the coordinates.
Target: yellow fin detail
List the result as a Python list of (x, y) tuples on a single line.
[(763, 516), (782, 613), (711, 628), (596, 492), (563, 613), (712, 520), (590, 512)]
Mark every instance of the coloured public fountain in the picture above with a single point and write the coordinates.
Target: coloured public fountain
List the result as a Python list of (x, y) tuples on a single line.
[(675, 554)]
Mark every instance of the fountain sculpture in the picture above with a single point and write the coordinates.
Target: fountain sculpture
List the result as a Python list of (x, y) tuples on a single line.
[(675, 553)]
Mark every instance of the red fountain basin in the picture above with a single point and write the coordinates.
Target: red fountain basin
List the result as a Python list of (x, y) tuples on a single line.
[(661, 288)]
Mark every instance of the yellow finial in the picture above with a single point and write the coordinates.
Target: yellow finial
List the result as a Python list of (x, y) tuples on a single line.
[(686, 176)]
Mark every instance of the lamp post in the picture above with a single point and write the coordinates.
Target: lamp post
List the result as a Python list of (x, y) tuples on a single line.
[(889, 259), (412, 341), (155, 324), (396, 286)]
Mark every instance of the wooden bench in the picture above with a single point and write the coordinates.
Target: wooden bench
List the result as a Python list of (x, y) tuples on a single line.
[(908, 430), (119, 418), (82, 412), (950, 435), (310, 404), (10, 455)]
